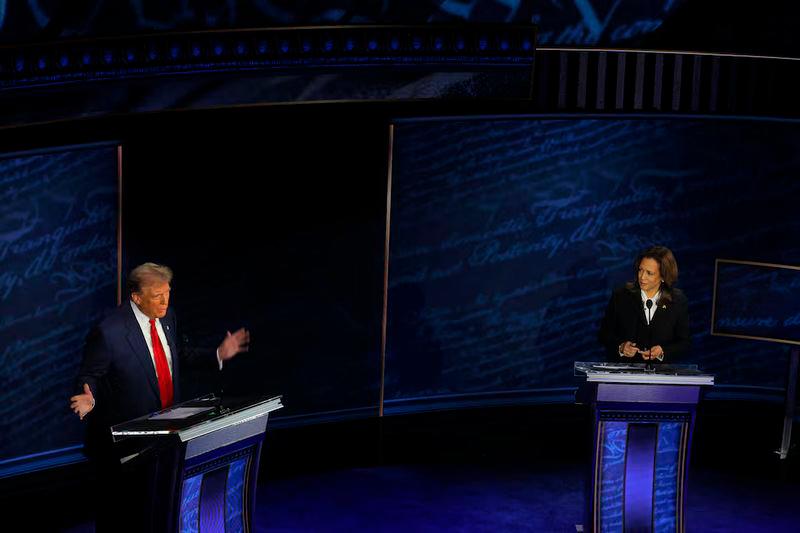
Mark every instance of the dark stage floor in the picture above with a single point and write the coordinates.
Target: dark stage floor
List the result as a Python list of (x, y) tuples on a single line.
[(503, 469), (501, 498), (491, 499)]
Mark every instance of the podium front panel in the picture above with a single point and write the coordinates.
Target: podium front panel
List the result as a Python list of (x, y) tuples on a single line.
[(216, 495), (206, 453), (643, 420), (635, 459), (662, 394)]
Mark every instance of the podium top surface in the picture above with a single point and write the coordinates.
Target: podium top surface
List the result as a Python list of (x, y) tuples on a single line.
[(642, 373), (197, 417)]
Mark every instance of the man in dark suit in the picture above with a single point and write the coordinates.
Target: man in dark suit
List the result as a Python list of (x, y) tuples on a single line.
[(131, 367), (132, 360), (648, 319)]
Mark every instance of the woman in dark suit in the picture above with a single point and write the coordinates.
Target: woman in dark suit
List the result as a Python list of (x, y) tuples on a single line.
[(648, 319)]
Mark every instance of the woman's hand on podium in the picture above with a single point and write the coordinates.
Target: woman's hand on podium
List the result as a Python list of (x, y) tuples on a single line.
[(628, 349), (82, 404), (656, 352)]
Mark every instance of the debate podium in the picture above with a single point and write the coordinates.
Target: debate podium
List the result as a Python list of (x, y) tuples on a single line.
[(643, 417), (200, 463)]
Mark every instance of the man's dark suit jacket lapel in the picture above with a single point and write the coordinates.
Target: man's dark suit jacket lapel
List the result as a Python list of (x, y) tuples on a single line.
[(139, 347), (169, 332), (170, 335)]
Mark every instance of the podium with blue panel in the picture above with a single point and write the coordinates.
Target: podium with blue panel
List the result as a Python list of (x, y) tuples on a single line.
[(643, 417), (200, 460)]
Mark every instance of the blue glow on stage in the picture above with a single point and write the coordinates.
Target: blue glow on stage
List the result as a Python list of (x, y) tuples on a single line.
[(41, 461)]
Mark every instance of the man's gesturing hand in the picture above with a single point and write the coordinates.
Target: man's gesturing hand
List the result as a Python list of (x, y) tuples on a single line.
[(234, 343), (81, 404)]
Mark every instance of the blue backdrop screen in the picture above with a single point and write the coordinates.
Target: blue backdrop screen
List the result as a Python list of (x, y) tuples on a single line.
[(757, 301), (508, 236), (58, 273), (571, 22)]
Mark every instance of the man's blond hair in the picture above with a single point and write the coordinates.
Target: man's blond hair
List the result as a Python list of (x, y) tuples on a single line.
[(147, 273)]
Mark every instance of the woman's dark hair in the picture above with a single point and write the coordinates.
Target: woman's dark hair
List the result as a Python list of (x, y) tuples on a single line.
[(667, 266)]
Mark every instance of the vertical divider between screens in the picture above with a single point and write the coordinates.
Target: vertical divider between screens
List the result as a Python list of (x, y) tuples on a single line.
[(119, 224), (384, 318)]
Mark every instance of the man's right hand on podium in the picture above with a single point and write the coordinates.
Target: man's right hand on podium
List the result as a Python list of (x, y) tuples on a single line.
[(81, 404)]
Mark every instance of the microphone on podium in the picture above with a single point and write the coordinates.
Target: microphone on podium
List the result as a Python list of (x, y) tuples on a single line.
[(649, 304)]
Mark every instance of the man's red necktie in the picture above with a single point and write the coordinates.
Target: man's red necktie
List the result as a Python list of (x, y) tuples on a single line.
[(162, 367)]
